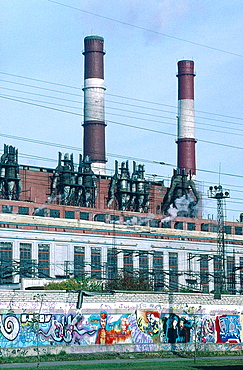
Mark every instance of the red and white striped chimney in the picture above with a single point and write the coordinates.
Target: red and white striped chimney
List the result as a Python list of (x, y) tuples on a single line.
[(94, 111), (186, 156)]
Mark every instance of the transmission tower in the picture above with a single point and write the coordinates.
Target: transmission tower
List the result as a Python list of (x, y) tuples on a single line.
[(218, 193)]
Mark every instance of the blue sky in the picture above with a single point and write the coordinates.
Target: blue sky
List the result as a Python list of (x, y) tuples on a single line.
[(43, 40)]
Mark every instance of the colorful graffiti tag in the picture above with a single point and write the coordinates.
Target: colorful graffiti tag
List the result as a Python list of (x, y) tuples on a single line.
[(228, 329), (66, 329), (139, 327), (208, 329)]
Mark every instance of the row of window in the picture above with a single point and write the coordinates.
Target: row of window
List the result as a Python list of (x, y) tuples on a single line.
[(25, 267), (111, 268), (129, 220), (159, 276), (45, 212), (179, 225), (229, 282)]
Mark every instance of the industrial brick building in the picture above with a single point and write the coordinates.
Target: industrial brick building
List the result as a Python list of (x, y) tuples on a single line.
[(76, 220)]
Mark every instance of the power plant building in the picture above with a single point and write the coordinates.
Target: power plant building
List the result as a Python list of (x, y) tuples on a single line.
[(75, 220)]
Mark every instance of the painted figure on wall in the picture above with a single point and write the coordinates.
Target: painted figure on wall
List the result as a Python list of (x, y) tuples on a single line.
[(208, 329), (122, 331), (113, 332), (139, 327), (149, 323), (102, 333), (185, 327), (153, 324), (172, 328)]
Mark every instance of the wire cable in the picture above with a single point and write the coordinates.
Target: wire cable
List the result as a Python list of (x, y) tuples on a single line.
[(119, 123), (146, 29), (129, 111), (117, 96)]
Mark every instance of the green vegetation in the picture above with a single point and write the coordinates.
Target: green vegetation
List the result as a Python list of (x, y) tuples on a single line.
[(120, 282), (81, 283), (129, 282), (63, 356), (207, 364)]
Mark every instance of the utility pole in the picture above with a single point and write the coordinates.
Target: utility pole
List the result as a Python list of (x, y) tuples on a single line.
[(218, 193)]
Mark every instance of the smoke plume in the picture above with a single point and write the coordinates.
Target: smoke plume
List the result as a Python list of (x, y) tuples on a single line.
[(184, 207)]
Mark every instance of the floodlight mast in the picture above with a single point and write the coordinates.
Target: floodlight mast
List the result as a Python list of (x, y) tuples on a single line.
[(220, 194)]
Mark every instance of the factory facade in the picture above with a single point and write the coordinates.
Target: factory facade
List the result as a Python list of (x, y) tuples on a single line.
[(74, 220), (171, 259)]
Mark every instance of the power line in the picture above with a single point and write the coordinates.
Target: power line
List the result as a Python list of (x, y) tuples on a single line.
[(125, 110), (146, 29), (75, 149), (40, 88), (38, 80), (124, 116), (118, 123), (109, 154), (42, 95), (113, 95)]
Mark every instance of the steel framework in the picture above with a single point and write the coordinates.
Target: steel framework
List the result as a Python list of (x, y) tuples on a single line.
[(218, 193)]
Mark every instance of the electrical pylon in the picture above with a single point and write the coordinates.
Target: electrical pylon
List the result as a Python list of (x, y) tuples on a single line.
[(218, 193)]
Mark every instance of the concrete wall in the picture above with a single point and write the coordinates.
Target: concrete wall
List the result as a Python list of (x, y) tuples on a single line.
[(50, 321)]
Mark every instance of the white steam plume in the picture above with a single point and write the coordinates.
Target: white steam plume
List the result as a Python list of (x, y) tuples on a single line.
[(183, 206)]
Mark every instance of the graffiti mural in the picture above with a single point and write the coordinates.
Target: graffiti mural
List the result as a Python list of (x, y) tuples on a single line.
[(9, 327), (111, 329), (164, 328), (67, 329), (208, 329), (149, 322), (228, 329), (142, 327)]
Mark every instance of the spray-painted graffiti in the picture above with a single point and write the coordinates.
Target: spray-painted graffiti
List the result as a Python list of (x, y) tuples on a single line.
[(68, 329), (149, 323), (228, 329), (142, 327), (138, 335), (111, 329), (208, 329), (9, 327), (164, 328), (33, 317)]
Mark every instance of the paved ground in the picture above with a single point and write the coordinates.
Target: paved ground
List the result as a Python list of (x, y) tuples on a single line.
[(92, 362)]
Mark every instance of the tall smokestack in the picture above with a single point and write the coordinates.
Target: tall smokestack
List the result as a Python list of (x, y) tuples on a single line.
[(186, 157), (94, 112)]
